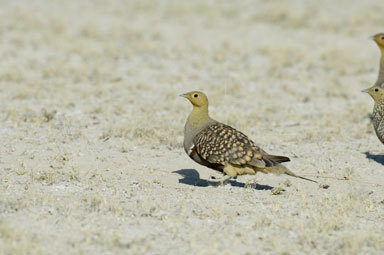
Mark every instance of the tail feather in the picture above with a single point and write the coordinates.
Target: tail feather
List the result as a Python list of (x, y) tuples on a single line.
[(276, 158), (280, 169)]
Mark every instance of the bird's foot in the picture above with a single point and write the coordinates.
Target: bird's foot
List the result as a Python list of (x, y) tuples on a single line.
[(220, 182)]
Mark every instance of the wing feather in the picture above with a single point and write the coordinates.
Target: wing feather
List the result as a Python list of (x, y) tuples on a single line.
[(221, 144)]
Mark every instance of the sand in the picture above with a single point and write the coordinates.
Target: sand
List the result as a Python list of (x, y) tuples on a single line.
[(92, 162)]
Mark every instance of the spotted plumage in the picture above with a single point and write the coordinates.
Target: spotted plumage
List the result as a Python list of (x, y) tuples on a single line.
[(378, 121), (219, 143), (223, 148), (377, 92)]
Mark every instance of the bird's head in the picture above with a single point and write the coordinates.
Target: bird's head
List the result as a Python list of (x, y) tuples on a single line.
[(376, 92), (197, 98), (379, 39)]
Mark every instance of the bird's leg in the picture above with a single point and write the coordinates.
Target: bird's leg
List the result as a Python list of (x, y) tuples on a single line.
[(222, 181), (229, 172)]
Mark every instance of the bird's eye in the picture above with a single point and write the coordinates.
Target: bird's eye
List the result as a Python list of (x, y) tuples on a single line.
[(195, 95), (382, 38), (376, 90)]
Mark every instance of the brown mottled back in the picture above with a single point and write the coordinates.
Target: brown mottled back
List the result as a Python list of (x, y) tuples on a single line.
[(221, 144)]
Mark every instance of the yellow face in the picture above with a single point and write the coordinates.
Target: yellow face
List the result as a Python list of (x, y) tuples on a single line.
[(376, 92), (197, 98), (379, 39)]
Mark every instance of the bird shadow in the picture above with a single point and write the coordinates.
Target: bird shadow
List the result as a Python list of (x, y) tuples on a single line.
[(377, 158), (192, 177)]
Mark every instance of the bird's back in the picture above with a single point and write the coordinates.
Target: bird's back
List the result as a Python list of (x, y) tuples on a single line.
[(218, 145)]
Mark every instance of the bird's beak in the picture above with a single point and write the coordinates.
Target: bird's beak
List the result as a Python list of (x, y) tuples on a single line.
[(365, 90), (372, 37), (183, 95)]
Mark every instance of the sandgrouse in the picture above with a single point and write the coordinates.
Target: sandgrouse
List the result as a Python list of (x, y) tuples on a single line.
[(223, 148), (379, 40), (377, 92)]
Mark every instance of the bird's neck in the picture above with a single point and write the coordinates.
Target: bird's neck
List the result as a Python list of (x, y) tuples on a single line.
[(380, 79), (199, 117)]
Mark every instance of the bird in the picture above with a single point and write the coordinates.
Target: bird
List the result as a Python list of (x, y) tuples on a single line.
[(377, 91), (223, 148), (377, 117), (379, 40)]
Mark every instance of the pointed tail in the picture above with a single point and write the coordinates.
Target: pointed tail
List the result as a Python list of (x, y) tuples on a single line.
[(280, 169)]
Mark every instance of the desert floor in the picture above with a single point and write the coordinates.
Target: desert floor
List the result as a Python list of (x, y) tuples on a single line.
[(91, 130)]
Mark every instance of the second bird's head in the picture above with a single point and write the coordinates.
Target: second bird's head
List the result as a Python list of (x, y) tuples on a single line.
[(376, 92), (197, 98), (379, 39)]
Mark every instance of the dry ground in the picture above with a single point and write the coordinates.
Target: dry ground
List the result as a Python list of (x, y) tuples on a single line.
[(91, 160)]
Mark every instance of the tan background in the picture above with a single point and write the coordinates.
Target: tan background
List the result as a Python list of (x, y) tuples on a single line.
[(91, 130)]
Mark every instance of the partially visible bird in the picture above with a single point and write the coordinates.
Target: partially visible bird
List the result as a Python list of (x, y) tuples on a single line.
[(377, 93), (379, 40), (223, 148)]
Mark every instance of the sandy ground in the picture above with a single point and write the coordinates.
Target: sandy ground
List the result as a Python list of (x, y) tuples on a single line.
[(91, 160)]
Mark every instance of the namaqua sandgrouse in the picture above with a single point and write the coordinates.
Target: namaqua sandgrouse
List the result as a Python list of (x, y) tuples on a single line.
[(223, 148), (379, 40), (377, 92)]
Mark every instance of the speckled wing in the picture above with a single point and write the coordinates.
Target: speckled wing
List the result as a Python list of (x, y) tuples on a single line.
[(221, 144)]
